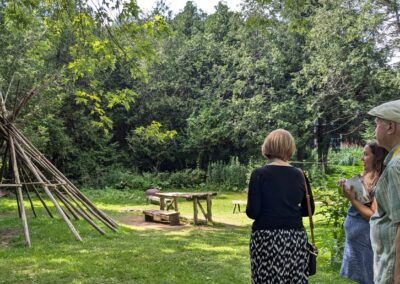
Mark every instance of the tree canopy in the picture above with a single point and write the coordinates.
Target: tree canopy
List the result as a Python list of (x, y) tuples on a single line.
[(157, 91)]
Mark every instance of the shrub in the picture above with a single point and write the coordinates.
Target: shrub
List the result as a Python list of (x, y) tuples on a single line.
[(346, 156), (232, 175), (124, 179), (334, 204), (334, 208), (186, 178)]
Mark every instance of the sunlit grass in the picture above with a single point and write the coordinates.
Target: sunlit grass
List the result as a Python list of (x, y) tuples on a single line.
[(216, 253)]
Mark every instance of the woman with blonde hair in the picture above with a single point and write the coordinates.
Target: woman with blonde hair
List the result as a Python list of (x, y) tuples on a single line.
[(277, 202)]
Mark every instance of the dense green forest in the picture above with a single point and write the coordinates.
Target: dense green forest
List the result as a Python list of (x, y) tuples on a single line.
[(118, 90)]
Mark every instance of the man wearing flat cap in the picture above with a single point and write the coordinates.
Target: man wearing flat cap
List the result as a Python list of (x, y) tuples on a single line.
[(385, 223)]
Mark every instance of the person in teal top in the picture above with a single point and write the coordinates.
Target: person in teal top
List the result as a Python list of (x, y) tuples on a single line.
[(385, 223)]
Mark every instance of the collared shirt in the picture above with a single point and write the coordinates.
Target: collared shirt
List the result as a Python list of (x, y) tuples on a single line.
[(386, 219)]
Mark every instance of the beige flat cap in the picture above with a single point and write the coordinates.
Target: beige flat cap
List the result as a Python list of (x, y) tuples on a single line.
[(388, 111)]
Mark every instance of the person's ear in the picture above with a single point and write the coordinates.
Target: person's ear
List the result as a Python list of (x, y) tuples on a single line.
[(392, 127)]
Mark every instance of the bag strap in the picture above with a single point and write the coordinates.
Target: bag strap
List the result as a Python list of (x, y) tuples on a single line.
[(309, 208)]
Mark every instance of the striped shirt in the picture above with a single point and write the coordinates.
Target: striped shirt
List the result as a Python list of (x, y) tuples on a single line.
[(386, 219)]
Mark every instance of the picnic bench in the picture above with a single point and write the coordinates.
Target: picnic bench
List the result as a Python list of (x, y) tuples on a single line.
[(196, 197), (171, 217)]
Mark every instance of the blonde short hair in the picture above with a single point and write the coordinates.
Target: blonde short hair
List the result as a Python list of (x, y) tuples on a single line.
[(279, 144)]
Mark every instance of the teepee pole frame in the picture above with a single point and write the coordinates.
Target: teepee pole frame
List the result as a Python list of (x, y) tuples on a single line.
[(31, 171), (49, 194), (69, 187)]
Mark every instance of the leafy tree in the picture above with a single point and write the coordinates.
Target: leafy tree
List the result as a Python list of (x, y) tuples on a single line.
[(275, 44), (225, 128), (151, 147), (341, 71), (69, 56), (32, 33)]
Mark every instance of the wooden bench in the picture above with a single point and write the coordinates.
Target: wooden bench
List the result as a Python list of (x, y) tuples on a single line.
[(172, 217), (156, 200), (238, 203), (152, 199)]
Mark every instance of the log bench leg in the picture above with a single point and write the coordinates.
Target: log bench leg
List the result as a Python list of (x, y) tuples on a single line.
[(195, 210), (209, 204), (174, 220), (176, 204), (148, 218), (162, 203)]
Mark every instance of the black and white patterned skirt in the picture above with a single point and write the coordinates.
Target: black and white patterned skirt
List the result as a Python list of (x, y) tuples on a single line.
[(279, 256)]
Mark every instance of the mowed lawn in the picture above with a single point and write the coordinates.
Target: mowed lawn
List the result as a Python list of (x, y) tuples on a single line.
[(138, 253)]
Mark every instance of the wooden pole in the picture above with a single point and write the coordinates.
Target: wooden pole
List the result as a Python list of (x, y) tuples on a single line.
[(66, 204), (37, 193), (18, 205), (86, 216), (90, 206), (44, 84), (195, 210), (25, 188), (19, 192), (58, 194), (58, 207), (162, 203), (4, 164), (71, 208), (209, 204), (76, 201), (30, 200), (3, 105), (202, 209)]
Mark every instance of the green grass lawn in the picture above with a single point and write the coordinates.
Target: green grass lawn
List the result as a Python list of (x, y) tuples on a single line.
[(216, 253)]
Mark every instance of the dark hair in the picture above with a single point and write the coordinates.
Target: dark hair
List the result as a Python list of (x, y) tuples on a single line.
[(379, 156)]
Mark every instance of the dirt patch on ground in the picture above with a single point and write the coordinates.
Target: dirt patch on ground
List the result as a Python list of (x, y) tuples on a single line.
[(6, 236), (135, 218)]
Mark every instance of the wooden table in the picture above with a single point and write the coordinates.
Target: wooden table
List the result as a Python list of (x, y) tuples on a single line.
[(195, 196)]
